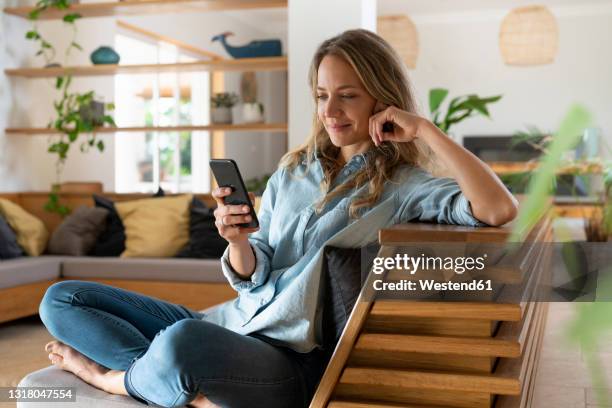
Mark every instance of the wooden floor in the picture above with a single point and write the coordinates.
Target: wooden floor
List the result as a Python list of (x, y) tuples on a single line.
[(563, 380)]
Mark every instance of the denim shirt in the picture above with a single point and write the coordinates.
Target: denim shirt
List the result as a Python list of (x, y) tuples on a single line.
[(282, 299)]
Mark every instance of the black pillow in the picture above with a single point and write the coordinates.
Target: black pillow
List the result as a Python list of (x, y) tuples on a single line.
[(343, 275), (9, 248), (111, 242), (204, 239)]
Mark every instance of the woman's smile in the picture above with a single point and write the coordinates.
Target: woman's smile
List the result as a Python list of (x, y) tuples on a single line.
[(337, 127)]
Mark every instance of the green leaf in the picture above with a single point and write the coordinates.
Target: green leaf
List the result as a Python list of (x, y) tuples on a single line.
[(70, 18), (100, 145), (436, 97), (110, 106), (108, 119), (491, 99), (58, 83), (32, 35), (477, 105), (76, 45)]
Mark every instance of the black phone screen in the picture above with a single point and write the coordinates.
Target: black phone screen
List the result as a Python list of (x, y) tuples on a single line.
[(227, 175)]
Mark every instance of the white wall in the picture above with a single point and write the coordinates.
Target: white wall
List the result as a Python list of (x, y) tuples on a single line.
[(310, 23), (459, 51), (13, 166)]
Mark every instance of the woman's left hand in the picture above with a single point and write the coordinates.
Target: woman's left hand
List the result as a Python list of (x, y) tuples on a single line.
[(405, 125)]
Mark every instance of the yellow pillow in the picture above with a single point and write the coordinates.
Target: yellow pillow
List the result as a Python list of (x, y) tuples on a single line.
[(155, 227), (31, 233)]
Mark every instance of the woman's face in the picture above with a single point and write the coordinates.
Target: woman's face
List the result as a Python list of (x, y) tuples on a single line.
[(343, 105)]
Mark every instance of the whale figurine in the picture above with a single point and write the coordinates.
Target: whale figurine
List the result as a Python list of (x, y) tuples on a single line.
[(254, 49)]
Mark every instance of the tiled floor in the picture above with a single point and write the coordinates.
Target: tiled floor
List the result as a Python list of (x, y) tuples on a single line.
[(563, 379)]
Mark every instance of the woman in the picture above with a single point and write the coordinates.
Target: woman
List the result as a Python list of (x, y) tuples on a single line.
[(353, 176)]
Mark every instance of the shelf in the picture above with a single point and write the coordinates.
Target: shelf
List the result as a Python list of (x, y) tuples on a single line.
[(140, 7), (248, 127), (243, 64), (505, 168)]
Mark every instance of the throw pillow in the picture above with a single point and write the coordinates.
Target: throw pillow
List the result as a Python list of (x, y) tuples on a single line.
[(9, 248), (204, 239), (79, 231), (31, 232), (343, 274), (155, 227), (111, 242)]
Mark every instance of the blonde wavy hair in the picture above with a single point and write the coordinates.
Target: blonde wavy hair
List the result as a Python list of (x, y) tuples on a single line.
[(384, 77)]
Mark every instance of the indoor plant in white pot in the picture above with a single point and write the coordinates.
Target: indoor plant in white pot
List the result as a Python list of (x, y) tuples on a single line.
[(252, 110), (221, 109)]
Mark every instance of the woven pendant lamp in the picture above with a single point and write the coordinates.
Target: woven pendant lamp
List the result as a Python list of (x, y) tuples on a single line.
[(529, 36), (401, 33)]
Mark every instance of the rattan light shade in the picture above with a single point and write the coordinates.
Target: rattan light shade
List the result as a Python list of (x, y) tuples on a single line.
[(401, 33), (529, 36)]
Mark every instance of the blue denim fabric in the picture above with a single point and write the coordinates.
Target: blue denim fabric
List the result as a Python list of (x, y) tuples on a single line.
[(170, 354), (282, 298)]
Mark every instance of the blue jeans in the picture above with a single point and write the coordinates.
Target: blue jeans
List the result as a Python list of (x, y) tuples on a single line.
[(170, 354)]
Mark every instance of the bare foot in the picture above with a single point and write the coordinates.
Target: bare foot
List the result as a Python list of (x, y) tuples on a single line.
[(67, 358), (201, 402)]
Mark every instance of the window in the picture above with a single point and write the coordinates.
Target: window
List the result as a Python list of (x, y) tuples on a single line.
[(176, 161)]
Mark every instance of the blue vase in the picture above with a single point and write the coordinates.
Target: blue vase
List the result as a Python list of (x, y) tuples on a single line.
[(105, 55)]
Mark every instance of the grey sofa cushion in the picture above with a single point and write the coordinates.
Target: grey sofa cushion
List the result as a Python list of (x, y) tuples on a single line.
[(163, 269), (77, 235), (26, 270), (86, 395)]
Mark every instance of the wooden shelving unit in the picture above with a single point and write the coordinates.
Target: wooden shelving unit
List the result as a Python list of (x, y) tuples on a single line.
[(248, 127), (142, 7), (225, 65), (215, 64)]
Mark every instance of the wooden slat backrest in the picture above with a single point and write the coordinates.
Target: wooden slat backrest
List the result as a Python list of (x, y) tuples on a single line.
[(389, 238)]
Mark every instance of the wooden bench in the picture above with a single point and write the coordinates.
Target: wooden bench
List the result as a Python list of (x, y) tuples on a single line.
[(407, 353)]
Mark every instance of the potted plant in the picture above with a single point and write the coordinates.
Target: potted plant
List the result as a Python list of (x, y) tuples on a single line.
[(252, 110), (75, 113), (221, 110), (459, 108)]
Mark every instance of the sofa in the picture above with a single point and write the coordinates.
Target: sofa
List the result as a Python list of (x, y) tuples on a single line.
[(194, 283)]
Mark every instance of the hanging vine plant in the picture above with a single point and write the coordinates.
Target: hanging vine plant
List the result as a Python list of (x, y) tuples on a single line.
[(75, 113)]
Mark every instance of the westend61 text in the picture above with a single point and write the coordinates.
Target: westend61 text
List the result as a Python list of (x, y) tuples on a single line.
[(431, 285), (413, 263)]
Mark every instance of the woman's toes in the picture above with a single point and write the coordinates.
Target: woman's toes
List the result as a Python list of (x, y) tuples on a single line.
[(49, 346), (56, 359), (54, 347)]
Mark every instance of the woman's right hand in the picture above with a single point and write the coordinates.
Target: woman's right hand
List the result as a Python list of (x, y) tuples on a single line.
[(227, 216)]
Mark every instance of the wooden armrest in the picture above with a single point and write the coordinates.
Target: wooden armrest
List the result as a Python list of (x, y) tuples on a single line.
[(424, 232), (427, 232)]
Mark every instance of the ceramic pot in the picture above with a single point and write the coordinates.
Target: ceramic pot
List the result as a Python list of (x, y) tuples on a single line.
[(104, 55), (221, 115), (252, 112), (94, 113)]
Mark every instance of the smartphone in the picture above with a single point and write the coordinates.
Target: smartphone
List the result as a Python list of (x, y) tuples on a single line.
[(227, 175)]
